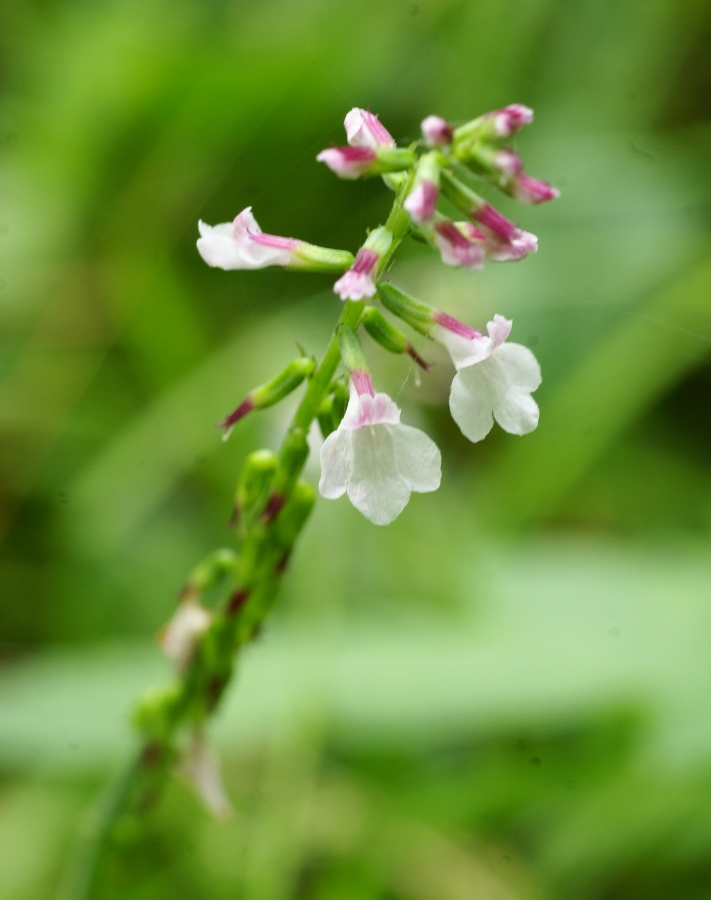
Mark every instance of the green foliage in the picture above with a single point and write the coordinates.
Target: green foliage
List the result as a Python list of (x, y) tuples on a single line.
[(506, 692)]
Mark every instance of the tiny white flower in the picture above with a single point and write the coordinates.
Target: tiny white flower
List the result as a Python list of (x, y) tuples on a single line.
[(377, 461), (200, 767), (180, 636), (494, 379)]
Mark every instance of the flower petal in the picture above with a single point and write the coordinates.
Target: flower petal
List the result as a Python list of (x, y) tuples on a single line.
[(418, 459), (517, 412), (472, 400), (336, 460), (218, 248), (522, 369), (375, 486)]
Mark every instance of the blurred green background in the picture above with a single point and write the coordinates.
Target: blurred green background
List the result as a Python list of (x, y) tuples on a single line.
[(507, 693)]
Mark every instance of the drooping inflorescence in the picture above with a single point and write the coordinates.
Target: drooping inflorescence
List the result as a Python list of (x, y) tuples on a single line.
[(365, 453)]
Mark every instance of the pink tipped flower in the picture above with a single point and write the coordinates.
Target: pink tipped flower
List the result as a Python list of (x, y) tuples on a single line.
[(494, 380), (180, 637), (437, 131), (348, 162), (376, 460), (507, 163), (532, 190), (516, 248), (506, 241), (456, 249), (510, 119), (421, 202), (242, 245), (363, 129), (359, 281)]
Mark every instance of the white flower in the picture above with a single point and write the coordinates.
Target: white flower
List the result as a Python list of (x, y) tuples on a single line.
[(180, 636), (243, 245), (201, 768), (377, 461), (494, 379)]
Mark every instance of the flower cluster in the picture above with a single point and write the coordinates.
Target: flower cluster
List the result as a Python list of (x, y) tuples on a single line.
[(367, 453)]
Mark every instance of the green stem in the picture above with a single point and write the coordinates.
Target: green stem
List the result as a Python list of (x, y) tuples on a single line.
[(262, 557)]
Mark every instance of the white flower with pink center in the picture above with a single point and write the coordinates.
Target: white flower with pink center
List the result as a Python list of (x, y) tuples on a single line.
[(494, 379), (358, 283), (375, 459), (243, 245), (363, 129)]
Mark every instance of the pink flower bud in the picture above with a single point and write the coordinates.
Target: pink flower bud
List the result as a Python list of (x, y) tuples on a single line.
[(456, 249), (421, 202), (348, 162), (359, 282), (363, 129), (532, 190), (437, 131), (510, 119), (507, 163)]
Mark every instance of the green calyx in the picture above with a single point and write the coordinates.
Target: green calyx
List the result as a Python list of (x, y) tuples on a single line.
[(417, 314), (351, 349), (310, 258), (282, 384)]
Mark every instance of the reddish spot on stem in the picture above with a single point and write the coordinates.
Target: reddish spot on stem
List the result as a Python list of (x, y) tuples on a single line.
[(273, 507), (237, 601), (282, 563)]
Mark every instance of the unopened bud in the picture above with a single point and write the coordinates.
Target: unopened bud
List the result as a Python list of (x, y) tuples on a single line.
[(364, 162), (492, 126), (418, 315), (531, 190), (209, 572), (437, 131), (270, 393), (388, 336), (257, 473), (421, 202), (153, 714)]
